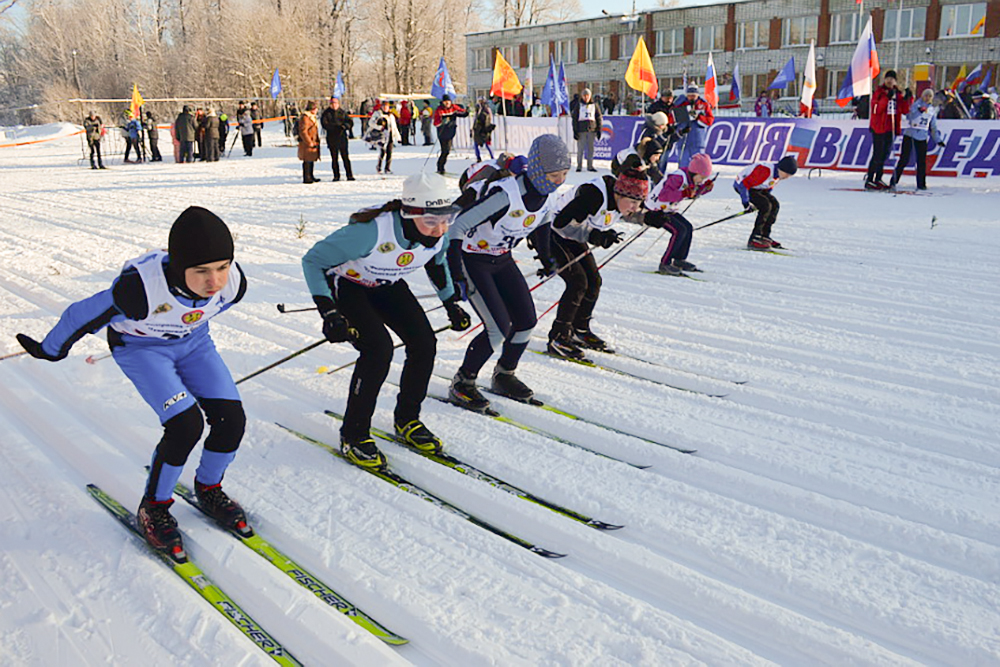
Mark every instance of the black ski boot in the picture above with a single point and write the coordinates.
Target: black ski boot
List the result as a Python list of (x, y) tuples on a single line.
[(226, 511), (685, 265), (415, 434), (363, 453), (505, 384), (464, 393), (587, 339), (561, 342), (159, 527)]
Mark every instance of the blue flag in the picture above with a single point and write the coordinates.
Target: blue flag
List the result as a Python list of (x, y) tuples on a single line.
[(275, 84), (562, 90), (338, 87), (548, 96), (442, 82), (734, 86), (785, 76)]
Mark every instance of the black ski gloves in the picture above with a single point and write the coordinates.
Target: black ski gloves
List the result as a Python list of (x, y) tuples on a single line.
[(34, 348), (460, 320), (605, 238), (654, 219), (335, 327)]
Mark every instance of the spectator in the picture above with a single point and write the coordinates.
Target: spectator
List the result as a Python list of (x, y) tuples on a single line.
[(405, 119), (257, 116), (862, 107), (695, 128), (309, 142), (538, 110), (365, 110), (665, 103), (921, 125), (223, 132), (587, 123), (154, 137), (199, 121), (133, 129), (446, 122), (426, 123), (211, 142), (185, 130), (482, 128), (983, 107), (763, 107), (384, 121), (95, 131), (246, 132), (888, 108), (336, 122)]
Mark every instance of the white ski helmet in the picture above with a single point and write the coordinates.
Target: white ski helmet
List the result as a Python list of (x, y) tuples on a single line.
[(427, 194)]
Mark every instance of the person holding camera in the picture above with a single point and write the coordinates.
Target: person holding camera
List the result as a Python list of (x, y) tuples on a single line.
[(921, 126), (887, 110), (694, 130), (356, 277), (482, 128)]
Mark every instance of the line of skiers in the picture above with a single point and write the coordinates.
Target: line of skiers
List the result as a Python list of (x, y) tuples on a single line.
[(158, 308)]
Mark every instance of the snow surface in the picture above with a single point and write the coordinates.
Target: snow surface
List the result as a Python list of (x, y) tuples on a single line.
[(843, 506)]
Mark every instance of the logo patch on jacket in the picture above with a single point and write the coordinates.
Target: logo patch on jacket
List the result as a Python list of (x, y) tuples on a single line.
[(192, 317), (530, 220), (516, 214), (163, 308), (388, 246), (404, 259)]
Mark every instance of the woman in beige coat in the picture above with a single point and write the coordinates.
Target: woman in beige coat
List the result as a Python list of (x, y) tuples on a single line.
[(309, 142)]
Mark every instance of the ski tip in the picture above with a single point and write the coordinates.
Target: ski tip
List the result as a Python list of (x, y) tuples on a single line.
[(600, 525), (641, 466), (545, 553)]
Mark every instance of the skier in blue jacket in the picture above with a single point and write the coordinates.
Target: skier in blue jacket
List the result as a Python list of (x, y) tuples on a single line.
[(157, 312), (356, 276)]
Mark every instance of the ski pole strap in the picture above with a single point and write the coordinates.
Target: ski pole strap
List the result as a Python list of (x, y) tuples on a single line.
[(400, 344), (281, 361), (728, 217)]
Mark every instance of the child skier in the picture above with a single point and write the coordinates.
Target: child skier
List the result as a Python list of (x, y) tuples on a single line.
[(688, 182), (585, 216), (356, 278), (754, 185), (157, 312), (484, 270)]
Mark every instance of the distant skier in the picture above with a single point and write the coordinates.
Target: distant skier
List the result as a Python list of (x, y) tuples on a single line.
[(356, 276), (157, 312), (688, 182), (754, 185)]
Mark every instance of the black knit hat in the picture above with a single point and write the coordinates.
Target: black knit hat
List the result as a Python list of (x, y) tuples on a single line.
[(197, 237), (788, 165)]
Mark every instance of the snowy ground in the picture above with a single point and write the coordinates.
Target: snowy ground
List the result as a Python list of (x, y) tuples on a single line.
[(843, 506)]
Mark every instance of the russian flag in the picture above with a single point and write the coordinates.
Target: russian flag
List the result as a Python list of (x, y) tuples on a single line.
[(863, 69), (734, 88), (711, 89)]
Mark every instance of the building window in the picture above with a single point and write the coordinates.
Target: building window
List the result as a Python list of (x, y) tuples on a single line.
[(508, 54), (709, 38), (753, 35), (834, 79), (565, 51), (963, 20), (626, 45), (844, 28), (599, 48), (911, 23), (540, 53), (669, 42), (481, 59), (799, 30)]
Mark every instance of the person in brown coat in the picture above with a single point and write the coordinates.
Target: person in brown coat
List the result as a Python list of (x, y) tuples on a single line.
[(309, 142)]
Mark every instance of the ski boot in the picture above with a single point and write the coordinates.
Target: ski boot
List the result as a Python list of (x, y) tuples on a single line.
[(159, 527), (774, 244), (505, 384), (685, 265), (226, 511), (464, 393), (668, 269), (587, 339), (561, 343), (758, 243), (415, 434), (363, 453)]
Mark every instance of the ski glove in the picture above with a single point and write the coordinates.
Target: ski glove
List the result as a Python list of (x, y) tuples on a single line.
[(604, 238), (34, 348), (748, 207), (335, 327), (460, 320), (461, 288), (655, 219)]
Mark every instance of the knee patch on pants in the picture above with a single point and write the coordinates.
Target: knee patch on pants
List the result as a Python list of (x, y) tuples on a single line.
[(180, 434), (228, 422)]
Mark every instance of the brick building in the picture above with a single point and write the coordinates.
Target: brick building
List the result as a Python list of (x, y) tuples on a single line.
[(759, 35)]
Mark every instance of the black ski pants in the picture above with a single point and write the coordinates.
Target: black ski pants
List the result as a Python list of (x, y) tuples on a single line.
[(338, 149), (681, 232), (95, 149), (583, 284), (881, 148), (445, 150), (385, 152), (369, 311), (767, 211), (920, 148), (503, 302)]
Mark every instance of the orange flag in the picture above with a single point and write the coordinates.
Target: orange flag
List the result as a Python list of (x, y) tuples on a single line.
[(137, 101), (640, 74), (505, 81)]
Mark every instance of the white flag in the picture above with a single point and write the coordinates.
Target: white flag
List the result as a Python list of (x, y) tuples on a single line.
[(809, 81), (529, 83)]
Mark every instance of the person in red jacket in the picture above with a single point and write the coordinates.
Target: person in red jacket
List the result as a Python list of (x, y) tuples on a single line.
[(446, 121), (754, 185), (888, 108)]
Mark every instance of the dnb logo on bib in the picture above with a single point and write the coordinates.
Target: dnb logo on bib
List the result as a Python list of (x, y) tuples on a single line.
[(529, 221), (192, 317), (404, 259)]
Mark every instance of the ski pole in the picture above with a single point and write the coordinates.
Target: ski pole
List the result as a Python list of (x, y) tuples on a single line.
[(657, 239), (93, 360), (282, 308), (281, 361), (728, 217), (322, 369), (13, 354)]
